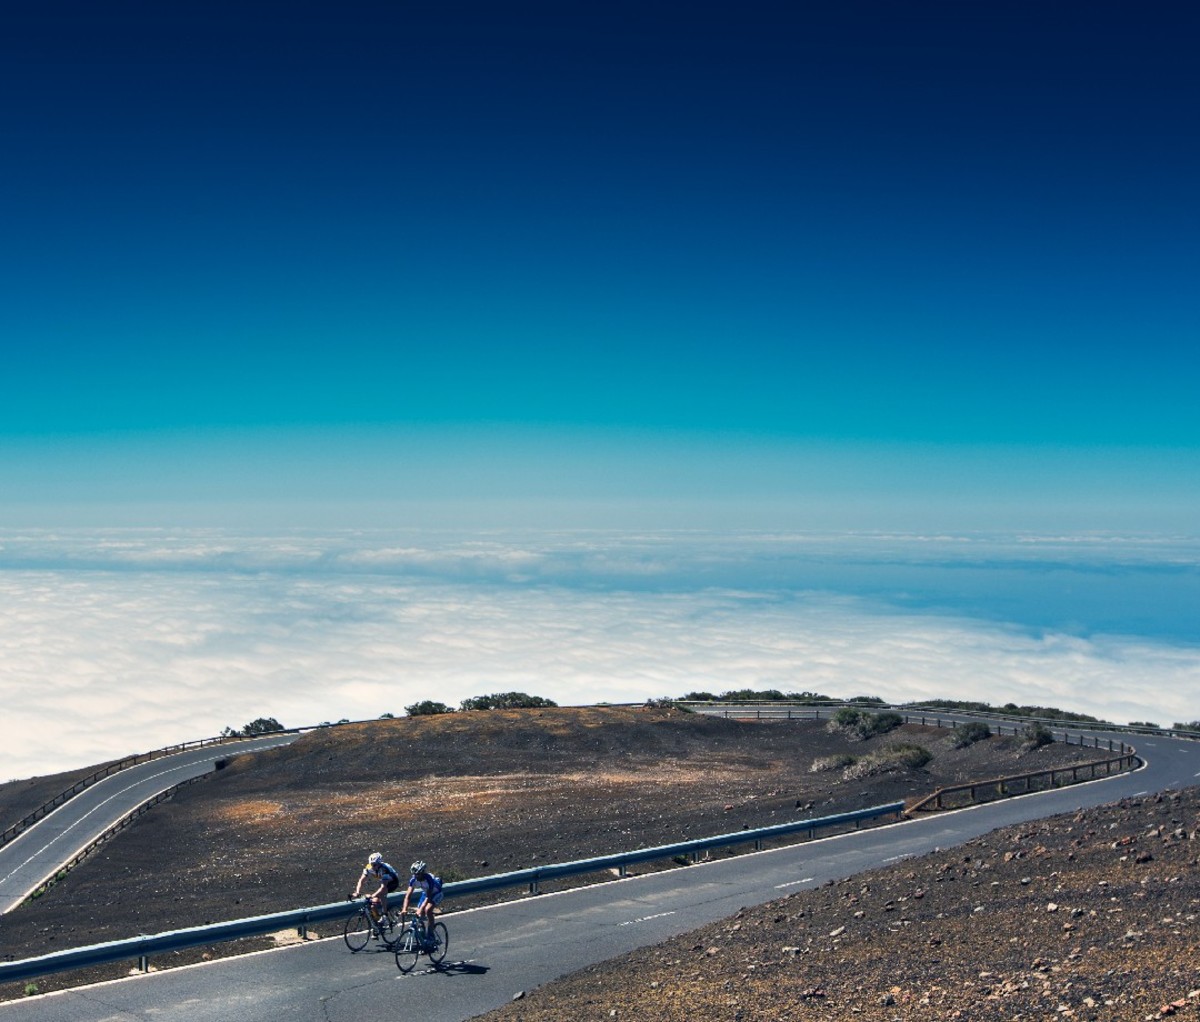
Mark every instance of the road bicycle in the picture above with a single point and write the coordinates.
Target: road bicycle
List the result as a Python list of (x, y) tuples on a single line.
[(415, 940), (361, 925)]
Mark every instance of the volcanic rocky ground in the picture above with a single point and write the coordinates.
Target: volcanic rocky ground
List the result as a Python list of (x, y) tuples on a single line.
[(1001, 928)]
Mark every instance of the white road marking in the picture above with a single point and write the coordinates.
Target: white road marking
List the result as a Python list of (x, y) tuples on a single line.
[(897, 858), (94, 809), (793, 883), (645, 919)]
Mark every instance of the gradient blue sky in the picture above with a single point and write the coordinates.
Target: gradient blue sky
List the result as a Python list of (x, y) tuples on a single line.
[(852, 263)]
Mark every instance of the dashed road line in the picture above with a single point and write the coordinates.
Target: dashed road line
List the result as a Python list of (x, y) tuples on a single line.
[(793, 883), (646, 919)]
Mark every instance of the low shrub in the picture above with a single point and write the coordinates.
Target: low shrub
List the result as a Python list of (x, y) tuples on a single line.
[(1036, 735), (889, 760), (506, 701), (860, 725), (827, 763), (258, 726), (969, 734), (427, 708)]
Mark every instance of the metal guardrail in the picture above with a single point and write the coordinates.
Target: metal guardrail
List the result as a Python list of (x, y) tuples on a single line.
[(1001, 785), (926, 718), (62, 870), (781, 706), (1127, 758), (141, 948), (169, 750)]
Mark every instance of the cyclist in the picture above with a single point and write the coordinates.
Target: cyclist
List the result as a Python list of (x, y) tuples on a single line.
[(431, 894), (389, 880)]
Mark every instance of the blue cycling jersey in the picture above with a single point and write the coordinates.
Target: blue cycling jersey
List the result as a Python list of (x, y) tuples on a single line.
[(431, 885)]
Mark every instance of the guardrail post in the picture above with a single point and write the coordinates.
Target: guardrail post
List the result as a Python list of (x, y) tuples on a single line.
[(144, 963)]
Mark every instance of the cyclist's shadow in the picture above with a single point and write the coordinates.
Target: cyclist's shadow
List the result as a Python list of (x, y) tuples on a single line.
[(460, 968)]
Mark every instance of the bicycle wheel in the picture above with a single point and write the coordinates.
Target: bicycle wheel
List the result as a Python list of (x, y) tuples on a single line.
[(388, 932), (408, 950), (441, 941), (357, 931)]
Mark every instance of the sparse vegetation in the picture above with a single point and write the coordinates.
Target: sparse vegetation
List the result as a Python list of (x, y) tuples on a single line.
[(890, 759), (769, 695), (860, 725), (828, 763), (1146, 724), (970, 733), (427, 707), (259, 726), (506, 701), (1009, 709), (1036, 735)]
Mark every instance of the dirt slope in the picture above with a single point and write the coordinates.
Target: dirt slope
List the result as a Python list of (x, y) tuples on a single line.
[(1088, 916), (473, 793)]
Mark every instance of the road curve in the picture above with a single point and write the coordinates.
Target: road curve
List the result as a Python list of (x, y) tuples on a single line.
[(38, 852), (500, 950)]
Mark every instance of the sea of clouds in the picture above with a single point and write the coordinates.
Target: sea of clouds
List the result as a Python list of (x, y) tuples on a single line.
[(121, 641)]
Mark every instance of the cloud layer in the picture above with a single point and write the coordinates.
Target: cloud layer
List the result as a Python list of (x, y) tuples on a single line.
[(116, 643)]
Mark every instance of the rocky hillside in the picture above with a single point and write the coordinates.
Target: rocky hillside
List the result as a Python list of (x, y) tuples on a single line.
[(1092, 916), (507, 788)]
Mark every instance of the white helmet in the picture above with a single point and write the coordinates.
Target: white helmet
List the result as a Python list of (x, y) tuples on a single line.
[(375, 857), (418, 867)]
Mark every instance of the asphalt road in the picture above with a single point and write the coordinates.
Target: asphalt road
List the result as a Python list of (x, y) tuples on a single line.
[(496, 952), (39, 852)]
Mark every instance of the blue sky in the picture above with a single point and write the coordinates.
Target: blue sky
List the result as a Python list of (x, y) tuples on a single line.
[(425, 241), (733, 290)]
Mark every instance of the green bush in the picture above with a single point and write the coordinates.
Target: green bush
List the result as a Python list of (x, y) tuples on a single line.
[(908, 754), (749, 695), (427, 708), (827, 763), (1036, 735), (1011, 709), (969, 734), (259, 726), (889, 760), (506, 701), (859, 725)]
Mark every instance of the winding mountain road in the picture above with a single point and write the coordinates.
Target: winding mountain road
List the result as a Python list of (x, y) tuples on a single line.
[(38, 853), (500, 950)]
